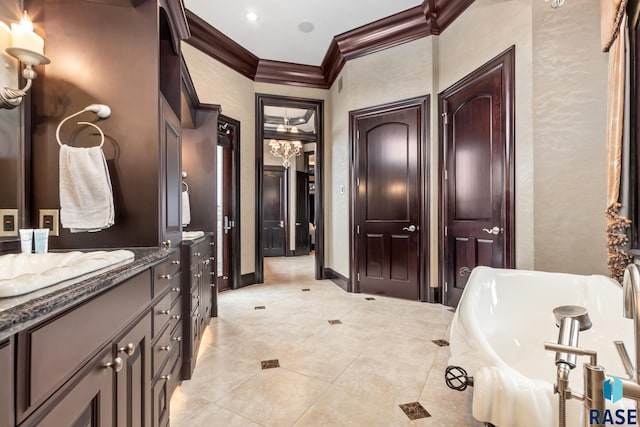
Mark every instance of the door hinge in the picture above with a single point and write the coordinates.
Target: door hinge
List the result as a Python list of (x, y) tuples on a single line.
[(446, 230), (358, 277), (446, 286), (358, 181), (446, 175), (357, 229), (358, 135), (446, 118)]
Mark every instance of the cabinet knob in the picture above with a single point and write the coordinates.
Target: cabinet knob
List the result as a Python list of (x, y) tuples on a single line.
[(129, 349), (116, 365), (166, 377), (166, 244), (178, 339), (212, 258), (175, 262), (166, 276), (197, 254), (165, 348), (213, 285), (213, 273), (197, 275), (176, 317), (212, 243), (206, 262), (196, 297), (165, 312), (175, 289)]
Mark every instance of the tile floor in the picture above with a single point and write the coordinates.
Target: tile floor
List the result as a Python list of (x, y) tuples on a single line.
[(319, 372)]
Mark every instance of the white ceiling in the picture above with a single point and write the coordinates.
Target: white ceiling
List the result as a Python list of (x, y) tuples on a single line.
[(276, 35)]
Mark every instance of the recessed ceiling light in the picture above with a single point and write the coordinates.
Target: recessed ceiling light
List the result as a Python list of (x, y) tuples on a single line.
[(306, 27), (252, 16)]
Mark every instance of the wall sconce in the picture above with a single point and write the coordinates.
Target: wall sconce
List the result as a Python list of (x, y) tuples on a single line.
[(28, 48), (555, 3)]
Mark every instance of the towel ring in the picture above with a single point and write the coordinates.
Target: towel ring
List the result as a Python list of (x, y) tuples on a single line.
[(80, 123), (186, 186)]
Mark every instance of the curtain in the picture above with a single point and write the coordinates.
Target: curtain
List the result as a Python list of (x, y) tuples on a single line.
[(617, 224)]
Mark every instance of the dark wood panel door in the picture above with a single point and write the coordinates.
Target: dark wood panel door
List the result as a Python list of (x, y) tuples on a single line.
[(133, 382), (388, 205), (7, 410), (170, 159), (88, 403), (274, 218), (225, 252), (303, 240), (476, 223)]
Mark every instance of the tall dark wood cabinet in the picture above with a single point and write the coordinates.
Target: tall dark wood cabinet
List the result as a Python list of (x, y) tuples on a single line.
[(127, 56), (200, 300), (6, 384)]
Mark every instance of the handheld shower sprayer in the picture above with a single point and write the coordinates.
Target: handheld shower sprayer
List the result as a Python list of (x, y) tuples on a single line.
[(571, 319)]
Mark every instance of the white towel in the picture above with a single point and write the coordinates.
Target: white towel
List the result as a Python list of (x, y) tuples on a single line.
[(86, 199), (186, 209)]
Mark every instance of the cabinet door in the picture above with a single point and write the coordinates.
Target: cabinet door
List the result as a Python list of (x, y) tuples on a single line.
[(133, 382), (87, 402), (170, 174), (6, 384)]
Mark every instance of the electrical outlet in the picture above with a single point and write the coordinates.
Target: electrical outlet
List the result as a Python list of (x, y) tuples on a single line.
[(9, 224), (49, 219)]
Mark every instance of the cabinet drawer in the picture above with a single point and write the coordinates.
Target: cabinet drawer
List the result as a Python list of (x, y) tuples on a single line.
[(162, 314), (161, 351), (51, 352), (166, 275), (162, 388)]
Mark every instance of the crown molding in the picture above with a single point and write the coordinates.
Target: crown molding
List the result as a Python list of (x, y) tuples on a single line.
[(430, 18)]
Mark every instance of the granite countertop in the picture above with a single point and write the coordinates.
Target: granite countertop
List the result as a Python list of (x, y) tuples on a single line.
[(18, 313)]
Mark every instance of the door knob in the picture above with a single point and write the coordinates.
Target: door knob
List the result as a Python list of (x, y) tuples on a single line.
[(410, 228), (495, 230)]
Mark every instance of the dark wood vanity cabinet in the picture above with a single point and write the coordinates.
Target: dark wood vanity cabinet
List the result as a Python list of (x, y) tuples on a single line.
[(6, 383), (200, 297)]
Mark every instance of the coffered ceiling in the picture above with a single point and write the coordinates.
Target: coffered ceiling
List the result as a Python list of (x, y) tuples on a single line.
[(307, 42), (276, 34)]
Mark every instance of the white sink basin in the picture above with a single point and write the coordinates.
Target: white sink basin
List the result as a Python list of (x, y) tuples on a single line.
[(192, 235), (24, 273)]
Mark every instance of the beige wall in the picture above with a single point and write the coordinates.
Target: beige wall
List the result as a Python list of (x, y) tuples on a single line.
[(219, 84), (559, 149), (569, 113)]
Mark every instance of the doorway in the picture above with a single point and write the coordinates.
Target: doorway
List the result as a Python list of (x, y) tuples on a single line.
[(389, 199), (296, 124), (274, 211), (477, 139), (228, 203)]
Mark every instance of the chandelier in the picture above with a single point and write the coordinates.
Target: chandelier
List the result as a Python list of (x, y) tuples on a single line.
[(285, 149)]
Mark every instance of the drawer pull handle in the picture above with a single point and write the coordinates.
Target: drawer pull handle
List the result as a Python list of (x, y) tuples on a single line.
[(176, 317), (165, 312), (178, 339), (175, 262), (165, 348), (166, 377), (166, 276), (129, 349), (175, 289), (116, 365)]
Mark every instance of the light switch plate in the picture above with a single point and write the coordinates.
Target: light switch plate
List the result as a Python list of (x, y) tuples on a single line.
[(49, 218), (8, 222)]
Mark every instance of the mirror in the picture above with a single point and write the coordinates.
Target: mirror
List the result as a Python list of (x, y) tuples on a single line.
[(12, 124)]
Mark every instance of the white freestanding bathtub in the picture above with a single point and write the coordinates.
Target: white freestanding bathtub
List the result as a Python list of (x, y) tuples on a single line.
[(498, 334)]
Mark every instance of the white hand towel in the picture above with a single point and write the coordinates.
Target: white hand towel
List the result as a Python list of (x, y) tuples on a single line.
[(86, 199), (186, 208)]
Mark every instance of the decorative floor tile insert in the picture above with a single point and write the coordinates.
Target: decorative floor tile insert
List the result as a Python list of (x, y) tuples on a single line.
[(260, 307), (335, 322), (268, 364), (306, 290), (414, 410), (441, 343), (370, 298)]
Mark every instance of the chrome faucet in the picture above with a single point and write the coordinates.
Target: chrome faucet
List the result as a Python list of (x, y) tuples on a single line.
[(631, 297)]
